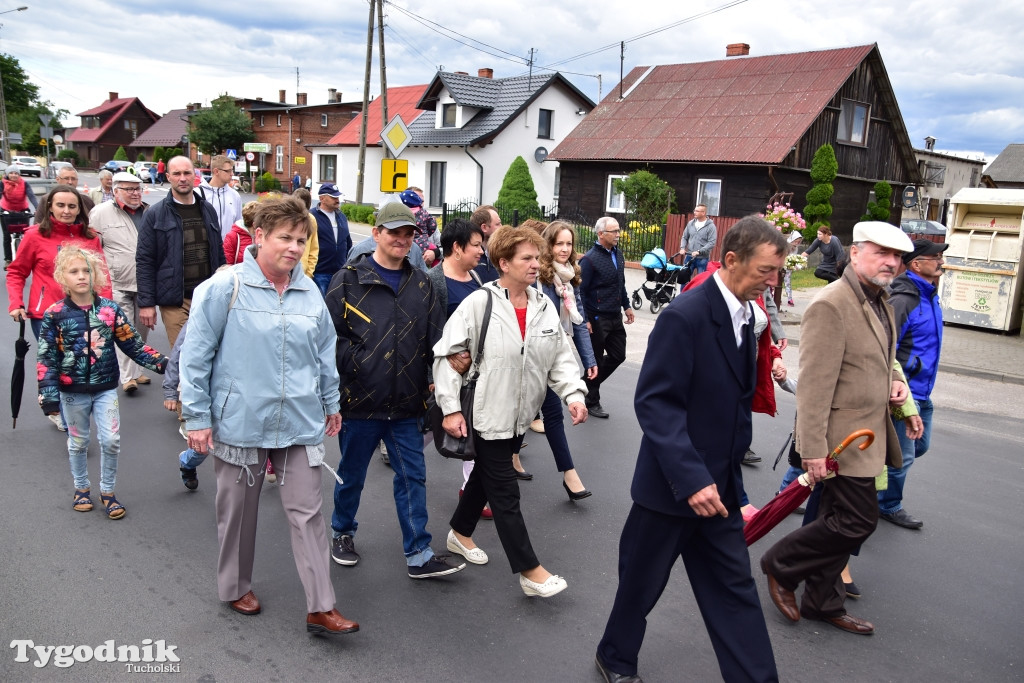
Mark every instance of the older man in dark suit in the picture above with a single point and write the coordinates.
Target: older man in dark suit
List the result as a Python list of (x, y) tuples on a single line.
[(693, 403)]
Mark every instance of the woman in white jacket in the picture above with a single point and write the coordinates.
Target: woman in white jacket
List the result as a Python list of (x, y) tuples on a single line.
[(525, 348)]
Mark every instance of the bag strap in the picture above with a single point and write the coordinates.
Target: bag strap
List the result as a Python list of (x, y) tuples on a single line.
[(483, 334)]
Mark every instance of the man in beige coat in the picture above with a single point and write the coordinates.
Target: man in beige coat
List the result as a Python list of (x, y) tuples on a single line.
[(847, 382)]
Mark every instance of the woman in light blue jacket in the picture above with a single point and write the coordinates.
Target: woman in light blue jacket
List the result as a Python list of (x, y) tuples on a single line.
[(258, 382)]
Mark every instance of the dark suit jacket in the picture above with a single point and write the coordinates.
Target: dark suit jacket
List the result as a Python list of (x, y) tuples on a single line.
[(693, 403)]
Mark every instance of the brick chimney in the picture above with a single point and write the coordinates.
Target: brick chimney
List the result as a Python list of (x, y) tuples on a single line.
[(485, 73), (280, 96), (337, 97), (188, 107), (737, 50), (300, 99), (332, 93), (113, 96)]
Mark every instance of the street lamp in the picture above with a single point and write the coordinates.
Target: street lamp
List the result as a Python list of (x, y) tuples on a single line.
[(3, 105)]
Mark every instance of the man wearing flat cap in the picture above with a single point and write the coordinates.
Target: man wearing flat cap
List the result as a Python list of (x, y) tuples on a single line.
[(915, 303), (847, 382)]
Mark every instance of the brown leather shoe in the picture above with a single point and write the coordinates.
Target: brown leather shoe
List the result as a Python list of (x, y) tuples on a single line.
[(248, 604), (330, 623), (783, 598), (142, 379), (852, 624), (130, 387)]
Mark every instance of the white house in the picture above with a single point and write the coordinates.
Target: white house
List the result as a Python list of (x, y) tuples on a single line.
[(466, 131), (943, 176)]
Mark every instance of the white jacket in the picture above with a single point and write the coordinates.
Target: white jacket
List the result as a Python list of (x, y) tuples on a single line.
[(119, 238), (514, 372)]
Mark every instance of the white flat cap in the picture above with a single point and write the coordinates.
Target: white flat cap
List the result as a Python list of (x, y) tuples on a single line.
[(883, 234), (125, 177)]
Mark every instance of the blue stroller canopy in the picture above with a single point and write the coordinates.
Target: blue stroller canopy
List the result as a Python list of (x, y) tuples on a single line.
[(655, 258)]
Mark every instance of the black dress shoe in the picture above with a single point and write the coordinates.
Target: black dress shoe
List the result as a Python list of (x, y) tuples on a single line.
[(852, 590), (610, 676), (902, 518), (576, 495), (524, 475), (596, 410), (750, 457)]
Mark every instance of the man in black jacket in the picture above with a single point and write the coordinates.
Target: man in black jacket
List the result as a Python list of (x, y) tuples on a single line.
[(604, 297), (388, 319), (179, 246)]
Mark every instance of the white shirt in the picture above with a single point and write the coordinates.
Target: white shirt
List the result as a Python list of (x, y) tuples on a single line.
[(739, 311)]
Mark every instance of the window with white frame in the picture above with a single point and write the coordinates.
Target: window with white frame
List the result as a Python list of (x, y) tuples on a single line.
[(323, 120), (438, 171), (279, 119), (615, 201), (279, 158), (853, 123), (261, 120), (328, 166), (709, 193)]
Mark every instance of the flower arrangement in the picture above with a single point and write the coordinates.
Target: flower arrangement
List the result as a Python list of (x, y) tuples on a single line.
[(796, 262), (784, 218)]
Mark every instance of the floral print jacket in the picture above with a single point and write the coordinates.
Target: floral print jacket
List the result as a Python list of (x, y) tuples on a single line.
[(76, 349)]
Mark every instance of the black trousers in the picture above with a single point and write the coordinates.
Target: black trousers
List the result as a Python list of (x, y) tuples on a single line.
[(609, 340), (815, 554), (494, 480), (718, 566)]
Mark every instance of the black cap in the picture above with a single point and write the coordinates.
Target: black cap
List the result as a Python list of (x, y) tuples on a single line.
[(923, 247)]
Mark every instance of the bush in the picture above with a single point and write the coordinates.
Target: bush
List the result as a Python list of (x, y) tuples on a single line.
[(648, 198), (69, 155), (824, 168), (267, 183), (159, 153), (517, 192), (141, 157), (120, 154), (359, 213), (881, 208)]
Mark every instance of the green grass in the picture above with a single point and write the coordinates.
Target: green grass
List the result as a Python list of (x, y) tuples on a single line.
[(804, 279)]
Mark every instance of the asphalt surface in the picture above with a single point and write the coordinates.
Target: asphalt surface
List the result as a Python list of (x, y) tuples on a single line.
[(943, 599)]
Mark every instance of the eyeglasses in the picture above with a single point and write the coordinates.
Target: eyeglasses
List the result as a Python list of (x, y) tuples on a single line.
[(616, 231), (226, 170), (131, 190)]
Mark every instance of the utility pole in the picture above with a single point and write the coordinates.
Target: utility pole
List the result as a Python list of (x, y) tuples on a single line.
[(622, 60), (366, 107), (4, 130), (384, 120)]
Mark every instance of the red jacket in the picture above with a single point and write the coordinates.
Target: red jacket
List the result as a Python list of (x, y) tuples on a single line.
[(235, 243), (14, 198), (767, 352), (35, 257)]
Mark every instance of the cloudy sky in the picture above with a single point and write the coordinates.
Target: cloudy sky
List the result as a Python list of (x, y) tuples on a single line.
[(957, 66)]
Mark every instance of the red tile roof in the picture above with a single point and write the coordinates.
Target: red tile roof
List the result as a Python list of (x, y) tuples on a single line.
[(113, 108), (737, 110), (401, 101)]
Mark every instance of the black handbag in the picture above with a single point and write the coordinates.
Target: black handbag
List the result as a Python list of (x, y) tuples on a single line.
[(447, 445)]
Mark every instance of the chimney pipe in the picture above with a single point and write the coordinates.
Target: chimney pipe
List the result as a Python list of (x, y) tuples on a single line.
[(332, 93), (113, 96), (737, 50), (485, 73), (300, 99), (280, 96), (337, 98), (929, 143)]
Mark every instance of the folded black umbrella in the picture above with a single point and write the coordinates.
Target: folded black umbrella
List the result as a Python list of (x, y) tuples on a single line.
[(18, 373)]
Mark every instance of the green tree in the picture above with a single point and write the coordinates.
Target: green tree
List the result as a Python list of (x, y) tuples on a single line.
[(141, 157), (824, 169), (517, 191), (120, 154), (881, 208), (159, 153), (647, 197), (221, 126), (21, 98)]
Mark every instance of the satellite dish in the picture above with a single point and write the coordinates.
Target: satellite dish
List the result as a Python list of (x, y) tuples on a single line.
[(58, 140), (540, 154)]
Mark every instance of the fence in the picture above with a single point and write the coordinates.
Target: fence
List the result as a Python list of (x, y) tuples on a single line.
[(466, 207)]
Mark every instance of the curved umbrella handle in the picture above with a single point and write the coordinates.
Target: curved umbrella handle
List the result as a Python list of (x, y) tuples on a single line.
[(869, 438)]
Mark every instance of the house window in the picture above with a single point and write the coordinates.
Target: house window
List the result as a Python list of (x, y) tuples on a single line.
[(934, 174), (279, 119), (261, 120), (544, 124), (328, 164), (279, 158), (616, 203), (438, 171), (558, 181), (975, 172), (323, 120), (448, 115), (709, 193), (853, 123)]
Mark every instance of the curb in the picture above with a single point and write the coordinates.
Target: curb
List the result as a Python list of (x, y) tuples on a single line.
[(980, 374)]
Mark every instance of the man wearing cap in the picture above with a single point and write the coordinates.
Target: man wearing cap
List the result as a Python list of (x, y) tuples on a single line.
[(388, 318), (847, 382), (224, 199), (915, 303), (332, 234), (117, 223)]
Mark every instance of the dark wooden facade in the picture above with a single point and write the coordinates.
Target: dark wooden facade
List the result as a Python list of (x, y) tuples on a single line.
[(94, 154)]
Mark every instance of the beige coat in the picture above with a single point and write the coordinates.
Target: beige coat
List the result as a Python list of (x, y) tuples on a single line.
[(119, 237), (846, 373)]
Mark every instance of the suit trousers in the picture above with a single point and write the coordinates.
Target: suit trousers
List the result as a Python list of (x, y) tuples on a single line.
[(609, 340), (718, 566), (816, 553), (126, 300), (237, 505), (493, 480)]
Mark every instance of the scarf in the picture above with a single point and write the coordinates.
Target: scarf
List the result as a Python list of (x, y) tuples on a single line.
[(564, 273)]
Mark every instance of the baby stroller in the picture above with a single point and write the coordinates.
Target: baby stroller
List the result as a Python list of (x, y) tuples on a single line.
[(663, 274), (14, 223)]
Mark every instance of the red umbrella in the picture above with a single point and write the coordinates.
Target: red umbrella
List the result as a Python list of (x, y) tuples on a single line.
[(779, 507)]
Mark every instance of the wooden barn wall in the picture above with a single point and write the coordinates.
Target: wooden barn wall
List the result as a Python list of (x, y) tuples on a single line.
[(849, 202)]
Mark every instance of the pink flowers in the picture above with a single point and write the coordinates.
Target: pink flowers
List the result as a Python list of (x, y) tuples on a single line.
[(106, 314), (784, 218)]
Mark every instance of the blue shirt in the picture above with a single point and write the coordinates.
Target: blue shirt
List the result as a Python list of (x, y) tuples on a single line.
[(457, 291), (392, 277)]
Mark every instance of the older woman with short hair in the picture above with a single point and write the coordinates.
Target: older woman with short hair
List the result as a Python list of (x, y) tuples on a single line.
[(274, 402), (525, 352)]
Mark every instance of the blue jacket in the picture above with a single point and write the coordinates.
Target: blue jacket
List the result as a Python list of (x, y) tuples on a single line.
[(580, 336), (259, 372), (604, 282), (333, 252), (76, 349), (160, 252), (918, 315)]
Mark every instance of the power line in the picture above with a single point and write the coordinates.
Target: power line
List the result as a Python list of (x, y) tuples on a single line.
[(444, 31), (408, 43)]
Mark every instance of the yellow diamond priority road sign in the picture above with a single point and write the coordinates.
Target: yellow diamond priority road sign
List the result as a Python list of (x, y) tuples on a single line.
[(396, 136)]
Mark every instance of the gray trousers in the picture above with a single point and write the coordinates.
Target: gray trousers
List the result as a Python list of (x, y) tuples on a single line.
[(238, 498), (126, 300)]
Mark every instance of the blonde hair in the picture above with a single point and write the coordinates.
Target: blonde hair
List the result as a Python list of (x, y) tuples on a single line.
[(93, 261)]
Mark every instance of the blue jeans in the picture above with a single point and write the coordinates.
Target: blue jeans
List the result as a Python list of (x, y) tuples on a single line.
[(789, 477), (190, 460), (359, 439), (698, 266), (78, 408), (323, 281), (891, 499)]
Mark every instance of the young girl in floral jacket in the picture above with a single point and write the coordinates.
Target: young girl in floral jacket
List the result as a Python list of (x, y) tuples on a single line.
[(77, 368)]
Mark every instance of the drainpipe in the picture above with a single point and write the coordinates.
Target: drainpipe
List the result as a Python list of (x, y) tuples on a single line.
[(290, 139), (480, 181)]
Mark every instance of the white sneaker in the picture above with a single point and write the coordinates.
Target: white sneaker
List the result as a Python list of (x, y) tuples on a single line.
[(553, 586), (58, 422), (474, 555)]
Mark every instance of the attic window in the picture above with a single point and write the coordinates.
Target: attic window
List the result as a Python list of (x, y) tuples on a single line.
[(448, 115), (853, 123), (934, 174), (544, 122)]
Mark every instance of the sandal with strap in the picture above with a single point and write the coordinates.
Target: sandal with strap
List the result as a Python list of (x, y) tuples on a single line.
[(114, 509), (82, 503)]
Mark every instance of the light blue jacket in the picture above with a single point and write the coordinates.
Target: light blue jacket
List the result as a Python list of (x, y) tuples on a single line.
[(259, 372)]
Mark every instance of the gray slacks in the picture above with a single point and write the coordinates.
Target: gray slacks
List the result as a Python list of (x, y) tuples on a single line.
[(237, 503), (126, 300)]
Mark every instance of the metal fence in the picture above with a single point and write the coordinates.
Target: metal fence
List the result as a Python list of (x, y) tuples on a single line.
[(466, 207)]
